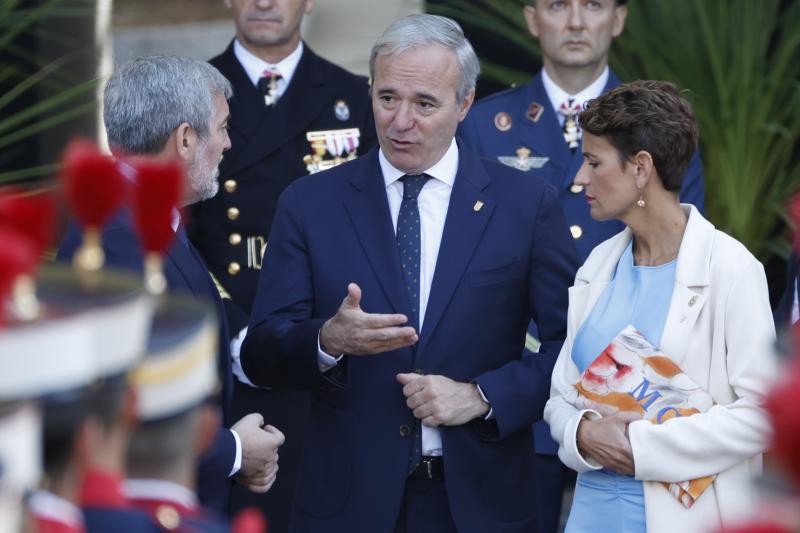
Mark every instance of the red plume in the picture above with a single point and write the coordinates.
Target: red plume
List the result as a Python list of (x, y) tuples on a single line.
[(31, 215), (781, 403), (249, 520), (156, 196), (17, 256), (757, 527), (94, 186)]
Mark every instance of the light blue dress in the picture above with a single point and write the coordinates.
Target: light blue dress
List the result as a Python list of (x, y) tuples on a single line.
[(605, 501)]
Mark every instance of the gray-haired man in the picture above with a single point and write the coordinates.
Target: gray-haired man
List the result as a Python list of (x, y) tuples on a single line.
[(423, 405)]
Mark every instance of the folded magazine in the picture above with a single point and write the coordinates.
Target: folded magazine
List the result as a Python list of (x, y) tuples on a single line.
[(632, 375)]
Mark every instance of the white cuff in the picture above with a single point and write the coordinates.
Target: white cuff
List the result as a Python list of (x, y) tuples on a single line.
[(490, 414), (569, 453), (325, 360), (236, 360), (237, 463)]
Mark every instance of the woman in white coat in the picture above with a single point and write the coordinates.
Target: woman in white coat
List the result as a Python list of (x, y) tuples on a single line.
[(693, 291)]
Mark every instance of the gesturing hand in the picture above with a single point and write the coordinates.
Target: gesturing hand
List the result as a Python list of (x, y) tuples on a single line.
[(259, 452), (352, 331), (606, 441), (440, 401)]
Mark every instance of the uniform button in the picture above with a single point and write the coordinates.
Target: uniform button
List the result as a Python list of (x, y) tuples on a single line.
[(233, 213), (576, 188), (234, 239), (404, 430), (168, 517), (230, 185), (234, 268), (576, 231)]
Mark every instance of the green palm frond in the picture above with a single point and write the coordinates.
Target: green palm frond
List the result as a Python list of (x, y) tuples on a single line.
[(39, 93)]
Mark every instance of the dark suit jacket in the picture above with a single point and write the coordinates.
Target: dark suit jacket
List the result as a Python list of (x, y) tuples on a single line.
[(544, 138), (498, 266), (185, 272)]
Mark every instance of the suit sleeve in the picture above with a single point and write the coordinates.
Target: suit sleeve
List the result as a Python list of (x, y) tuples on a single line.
[(519, 389), (711, 442), (693, 187), (281, 344)]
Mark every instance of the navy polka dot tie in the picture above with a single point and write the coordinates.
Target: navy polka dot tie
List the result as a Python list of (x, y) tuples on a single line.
[(408, 240), (409, 245)]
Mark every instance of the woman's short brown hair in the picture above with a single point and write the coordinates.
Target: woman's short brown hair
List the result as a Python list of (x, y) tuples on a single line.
[(650, 116)]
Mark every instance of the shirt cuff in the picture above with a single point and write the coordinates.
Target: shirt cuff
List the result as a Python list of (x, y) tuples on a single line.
[(325, 360), (237, 463), (587, 462), (236, 361), (490, 414)]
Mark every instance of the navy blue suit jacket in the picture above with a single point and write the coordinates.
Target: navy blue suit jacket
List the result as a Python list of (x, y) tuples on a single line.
[(500, 264), (544, 138), (185, 272)]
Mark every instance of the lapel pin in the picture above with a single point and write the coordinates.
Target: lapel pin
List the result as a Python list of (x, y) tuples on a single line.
[(477, 206), (502, 121), (692, 300)]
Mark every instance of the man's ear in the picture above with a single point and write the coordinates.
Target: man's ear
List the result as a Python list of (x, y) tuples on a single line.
[(620, 14), (529, 12), (309, 6), (465, 104), (185, 139), (208, 425), (227, 3)]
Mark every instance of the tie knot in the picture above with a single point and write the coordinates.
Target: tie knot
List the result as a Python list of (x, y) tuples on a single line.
[(569, 107), (412, 185), (270, 73)]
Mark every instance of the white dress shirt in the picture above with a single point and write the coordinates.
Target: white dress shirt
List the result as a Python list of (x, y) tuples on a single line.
[(558, 95), (254, 66), (433, 201)]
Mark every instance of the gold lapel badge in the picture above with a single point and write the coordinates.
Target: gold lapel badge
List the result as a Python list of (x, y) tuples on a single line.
[(340, 145)]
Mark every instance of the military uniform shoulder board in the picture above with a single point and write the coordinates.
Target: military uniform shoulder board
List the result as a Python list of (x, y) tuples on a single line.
[(535, 111)]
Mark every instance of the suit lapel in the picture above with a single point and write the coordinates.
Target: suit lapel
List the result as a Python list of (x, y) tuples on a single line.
[(303, 100), (368, 209), (463, 229)]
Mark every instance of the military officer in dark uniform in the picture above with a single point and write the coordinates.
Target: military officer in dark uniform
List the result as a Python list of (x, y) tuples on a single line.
[(292, 113), (534, 127)]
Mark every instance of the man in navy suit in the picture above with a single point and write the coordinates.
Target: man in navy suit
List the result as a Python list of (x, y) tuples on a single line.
[(176, 108), (534, 127), (397, 287), (286, 97)]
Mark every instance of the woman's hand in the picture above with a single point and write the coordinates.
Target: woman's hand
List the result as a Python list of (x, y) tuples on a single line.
[(606, 441)]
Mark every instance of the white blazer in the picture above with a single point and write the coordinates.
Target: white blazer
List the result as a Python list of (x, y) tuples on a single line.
[(719, 330)]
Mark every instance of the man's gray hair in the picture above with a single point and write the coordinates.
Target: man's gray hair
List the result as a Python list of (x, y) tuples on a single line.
[(148, 98), (417, 30)]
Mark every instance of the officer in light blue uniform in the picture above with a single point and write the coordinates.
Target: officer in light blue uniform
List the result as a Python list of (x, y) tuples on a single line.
[(534, 127)]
